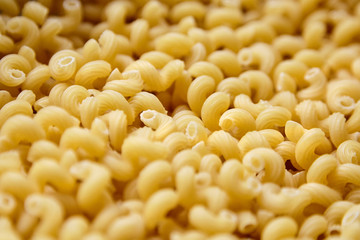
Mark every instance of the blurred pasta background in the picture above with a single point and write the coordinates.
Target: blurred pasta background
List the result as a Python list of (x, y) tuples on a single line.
[(180, 120)]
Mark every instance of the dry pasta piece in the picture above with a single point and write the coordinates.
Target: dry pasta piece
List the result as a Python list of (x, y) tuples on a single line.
[(214, 106), (13, 70), (280, 227), (91, 71), (27, 29), (161, 123), (174, 44), (199, 90), (30, 8)]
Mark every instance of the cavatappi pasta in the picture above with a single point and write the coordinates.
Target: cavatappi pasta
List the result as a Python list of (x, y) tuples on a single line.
[(179, 119)]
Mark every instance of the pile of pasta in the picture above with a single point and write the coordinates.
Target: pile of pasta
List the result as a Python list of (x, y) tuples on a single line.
[(181, 120)]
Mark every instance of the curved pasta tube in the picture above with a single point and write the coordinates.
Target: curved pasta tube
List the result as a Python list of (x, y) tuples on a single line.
[(258, 82), (26, 28), (139, 151), (348, 152), (252, 140), (176, 142), (110, 45), (313, 114), (345, 31), (74, 227), (92, 194), (47, 171), (111, 100), (128, 84), (247, 222), (195, 132), (43, 149), (343, 174), (294, 69), (174, 44), (226, 60), (255, 31), (233, 86), (91, 71), (156, 58), (305, 150), (237, 122), (214, 106), (158, 205), (321, 194), (72, 16), (335, 212), (280, 227), (187, 157), (312, 58), (117, 123), (139, 36), (206, 68), (161, 123), (317, 88), (337, 129), (223, 222), (151, 177), (199, 90), (233, 178), (13, 70), (8, 230), (8, 204), (36, 78), (23, 189), (222, 143), (21, 128), (50, 212), (341, 95), (13, 108), (30, 8), (64, 64), (127, 227), (243, 101), (53, 116), (197, 54), (120, 169), (272, 117), (327, 163), (260, 55), (72, 97), (76, 137), (266, 159)]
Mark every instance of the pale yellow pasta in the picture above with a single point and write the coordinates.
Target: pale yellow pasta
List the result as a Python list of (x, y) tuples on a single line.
[(110, 45), (280, 227), (10, 161), (13, 108), (111, 100), (157, 171), (233, 86), (199, 35), (258, 82), (255, 31), (246, 187), (267, 160), (161, 123), (21, 128), (224, 37), (293, 68), (197, 54), (244, 102), (237, 122), (260, 55), (317, 88), (226, 60), (72, 16), (128, 83), (223, 16), (153, 12), (313, 114), (223, 144), (9, 231), (288, 45), (341, 95), (6, 44), (158, 205), (321, 194), (44, 149), (305, 151), (206, 68), (272, 117), (314, 33), (48, 210), (345, 31), (214, 106), (30, 8), (311, 58), (131, 226), (252, 140), (74, 227), (341, 58), (36, 77), (184, 182), (5, 97), (28, 96), (91, 71), (184, 158), (146, 151), (27, 29), (337, 129), (321, 168), (156, 58), (10, 7), (313, 226), (13, 70), (92, 195), (348, 152), (64, 64), (174, 44), (343, 174), (72, 97), (199, 90), (120, 169), (247, 222)]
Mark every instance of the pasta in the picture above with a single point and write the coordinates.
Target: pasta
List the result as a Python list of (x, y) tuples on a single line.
[(180, 120)]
